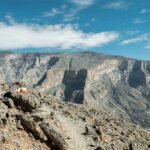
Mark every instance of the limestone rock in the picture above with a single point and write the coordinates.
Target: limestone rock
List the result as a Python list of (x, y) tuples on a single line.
[(120, 85)]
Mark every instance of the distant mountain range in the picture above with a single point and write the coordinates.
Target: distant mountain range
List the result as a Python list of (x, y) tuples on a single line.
[(117, 84)]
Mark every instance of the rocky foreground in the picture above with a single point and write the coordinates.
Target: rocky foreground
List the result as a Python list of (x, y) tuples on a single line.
[(32, 121)]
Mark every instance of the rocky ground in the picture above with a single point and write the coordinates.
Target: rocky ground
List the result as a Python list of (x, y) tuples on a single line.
[(30, 120)]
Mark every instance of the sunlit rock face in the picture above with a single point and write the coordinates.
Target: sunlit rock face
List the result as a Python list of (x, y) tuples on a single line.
[(118, 84)]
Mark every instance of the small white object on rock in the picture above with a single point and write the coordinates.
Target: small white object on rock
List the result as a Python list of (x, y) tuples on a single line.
[(22, 90)]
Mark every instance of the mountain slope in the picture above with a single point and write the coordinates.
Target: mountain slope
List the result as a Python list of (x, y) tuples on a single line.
[(117, 84)]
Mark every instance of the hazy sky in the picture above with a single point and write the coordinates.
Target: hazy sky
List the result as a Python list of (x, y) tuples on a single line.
[(119, 27)]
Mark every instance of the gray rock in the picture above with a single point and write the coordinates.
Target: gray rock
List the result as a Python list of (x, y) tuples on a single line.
[(120, 85), (9, 102), (3, 110), (28, 101)]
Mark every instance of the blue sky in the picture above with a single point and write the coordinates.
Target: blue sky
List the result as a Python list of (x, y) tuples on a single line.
[(118, 27)]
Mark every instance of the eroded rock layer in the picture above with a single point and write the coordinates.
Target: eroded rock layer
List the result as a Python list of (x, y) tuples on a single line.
[(117, 84)]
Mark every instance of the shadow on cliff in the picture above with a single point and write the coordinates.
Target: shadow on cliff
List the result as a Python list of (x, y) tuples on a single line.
[(74, 82)]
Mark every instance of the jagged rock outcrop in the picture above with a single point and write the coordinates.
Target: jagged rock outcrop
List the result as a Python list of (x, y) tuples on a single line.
[(118, 84), (57, 125)]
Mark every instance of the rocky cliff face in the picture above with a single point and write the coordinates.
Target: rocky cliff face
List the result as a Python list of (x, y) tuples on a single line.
[(117, 84)]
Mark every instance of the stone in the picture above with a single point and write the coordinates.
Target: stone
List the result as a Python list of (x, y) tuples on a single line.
[(27, 102), (3, 110), (106, 138)]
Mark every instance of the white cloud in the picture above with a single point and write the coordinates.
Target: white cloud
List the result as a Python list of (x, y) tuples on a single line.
[(83, 3), (139, 21), (67, 14), (144, 11), (51, 36), (93, 19), (78, 6), (71, 15), (63, 6), (116, 5), (147, 46), (142, 38), (9, 18), (132, 32), (53, 12), (87, 24)]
